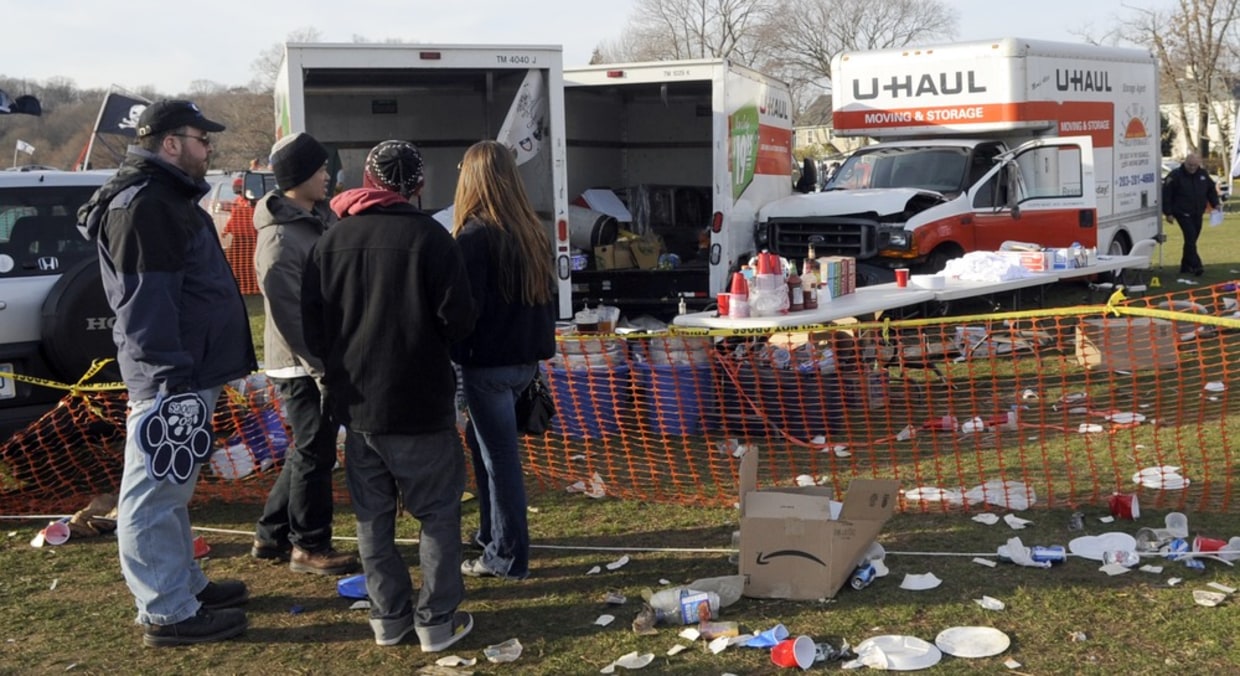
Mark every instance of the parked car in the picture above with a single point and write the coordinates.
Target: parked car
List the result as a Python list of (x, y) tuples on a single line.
[(219, 201), (54, 317)]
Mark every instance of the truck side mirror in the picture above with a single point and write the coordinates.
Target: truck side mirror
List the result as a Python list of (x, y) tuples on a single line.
[(809, 176), (253, 186)]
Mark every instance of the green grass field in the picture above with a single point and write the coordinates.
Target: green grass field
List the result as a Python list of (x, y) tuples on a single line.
[(67, 608)]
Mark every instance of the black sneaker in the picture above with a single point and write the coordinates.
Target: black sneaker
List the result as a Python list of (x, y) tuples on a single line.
[(204, 627), (269, 551), (223, 594)]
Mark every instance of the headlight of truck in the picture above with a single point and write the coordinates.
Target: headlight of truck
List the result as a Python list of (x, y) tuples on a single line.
[(893, 238)]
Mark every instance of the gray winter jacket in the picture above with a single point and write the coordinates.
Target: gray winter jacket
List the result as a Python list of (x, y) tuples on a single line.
[(286, 235)]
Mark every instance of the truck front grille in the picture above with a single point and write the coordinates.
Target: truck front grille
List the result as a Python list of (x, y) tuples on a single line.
[(790, 237)]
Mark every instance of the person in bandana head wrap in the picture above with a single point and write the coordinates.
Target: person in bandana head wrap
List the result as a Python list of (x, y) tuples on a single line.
[(384, 294)]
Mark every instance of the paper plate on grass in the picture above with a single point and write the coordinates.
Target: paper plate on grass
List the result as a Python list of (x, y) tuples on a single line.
[(903, 653), (972, 642)]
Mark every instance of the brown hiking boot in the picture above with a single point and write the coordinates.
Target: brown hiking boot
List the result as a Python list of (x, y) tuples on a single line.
[(327, 562)]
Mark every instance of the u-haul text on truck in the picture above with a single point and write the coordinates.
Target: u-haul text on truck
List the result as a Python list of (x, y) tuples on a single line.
[(983, 142)]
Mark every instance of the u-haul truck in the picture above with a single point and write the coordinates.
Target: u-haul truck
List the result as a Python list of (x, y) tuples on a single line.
[(982, 142), (443, 98), (697, 147)]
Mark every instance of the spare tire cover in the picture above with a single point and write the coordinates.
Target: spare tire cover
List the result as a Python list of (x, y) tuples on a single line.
[(77, 324)]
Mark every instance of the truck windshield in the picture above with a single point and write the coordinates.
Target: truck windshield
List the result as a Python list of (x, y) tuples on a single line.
[(928, 168)]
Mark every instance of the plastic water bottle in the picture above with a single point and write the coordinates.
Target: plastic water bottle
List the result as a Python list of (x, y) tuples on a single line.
[(1078, 255), (1054, 554), (681, 605)]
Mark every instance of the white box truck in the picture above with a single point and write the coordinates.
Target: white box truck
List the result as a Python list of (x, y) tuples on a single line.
[(694, 149), (982, 142), (444, 98)]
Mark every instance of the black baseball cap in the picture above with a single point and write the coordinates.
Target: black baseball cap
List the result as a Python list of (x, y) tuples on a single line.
[(166, 115)]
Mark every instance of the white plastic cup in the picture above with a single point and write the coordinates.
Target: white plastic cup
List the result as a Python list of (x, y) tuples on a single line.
[(56, 533)]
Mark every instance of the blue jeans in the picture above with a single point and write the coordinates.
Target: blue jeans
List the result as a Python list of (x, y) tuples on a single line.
[(491, 394), (153, 533), (299, 507), (425, 472)]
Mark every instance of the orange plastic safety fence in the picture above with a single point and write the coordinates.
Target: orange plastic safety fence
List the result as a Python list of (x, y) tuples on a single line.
[(1065, 406), (76, 451), (1072, 404)]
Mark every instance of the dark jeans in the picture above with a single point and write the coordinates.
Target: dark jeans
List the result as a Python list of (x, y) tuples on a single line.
[(492, 436), (1190, 225), (427, 473), (299, 507)]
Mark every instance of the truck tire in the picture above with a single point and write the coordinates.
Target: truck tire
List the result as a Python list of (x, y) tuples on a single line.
[(938, 258), (1119, 246), (77, 325)]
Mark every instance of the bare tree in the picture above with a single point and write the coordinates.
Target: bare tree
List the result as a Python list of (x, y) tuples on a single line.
[(1195, 46), (814, 31), (267, 64), (693, 29)]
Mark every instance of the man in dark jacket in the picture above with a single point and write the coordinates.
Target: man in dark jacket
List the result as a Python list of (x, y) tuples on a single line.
[(181, 333), (1186, 192), (296, 525), (384, 294)]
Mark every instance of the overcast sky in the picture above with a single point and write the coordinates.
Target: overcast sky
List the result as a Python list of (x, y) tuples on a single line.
[(147, 42)]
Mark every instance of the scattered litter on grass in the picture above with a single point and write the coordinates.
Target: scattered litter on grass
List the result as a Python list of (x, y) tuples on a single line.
[(1077, 637), (55, 581), (1015, 522), (664, 582), (690, 634), (594, 571), (907, 433), (1089, 428), (677, 649), (1208, 599), (614, 598), (933, 494), (920, 582), (12, 533), (1106, 519), (1114, 569), (718, 645), (1216, 386), (1219, 586), (296, 610), (1173, 581), (628, 661), (644, 621), (984, 562), (990, 603), (768, 638), (456, 661), (1189, 282), (604, 620), (1013, 495), (1012, 664), (973, 426), (619, 563), (1029, 395), (805, 480), (508, 651), (841, 451), (360, 605), (1153, 570), (1164, 477)]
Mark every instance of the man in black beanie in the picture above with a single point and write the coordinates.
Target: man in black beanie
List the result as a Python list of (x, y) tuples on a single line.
[(392, 384), (296, 524)]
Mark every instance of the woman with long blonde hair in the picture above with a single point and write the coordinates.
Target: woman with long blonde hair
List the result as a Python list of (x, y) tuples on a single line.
[(509, 257)]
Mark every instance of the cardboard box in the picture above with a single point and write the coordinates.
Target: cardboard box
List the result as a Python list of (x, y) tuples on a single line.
[(616, 256), (791, 548), (1126, 344), (646, 252), (1037, 261)]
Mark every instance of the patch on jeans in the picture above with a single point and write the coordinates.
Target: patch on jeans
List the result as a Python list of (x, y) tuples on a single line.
[(175, 435)]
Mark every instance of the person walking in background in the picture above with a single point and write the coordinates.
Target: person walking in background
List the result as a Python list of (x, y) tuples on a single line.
[(238, 239), (509, 257), (181, 333), (296, 524), (384, 294), (1187, 190)]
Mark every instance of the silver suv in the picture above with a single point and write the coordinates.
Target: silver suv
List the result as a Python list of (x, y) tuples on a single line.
[(54, 318)]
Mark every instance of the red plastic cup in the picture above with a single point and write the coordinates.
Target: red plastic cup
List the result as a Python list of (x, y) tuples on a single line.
[(902, 277), (1125, 506), (56, 533), (794, 652), (1202, 544), (722, 301), (201, 548)]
